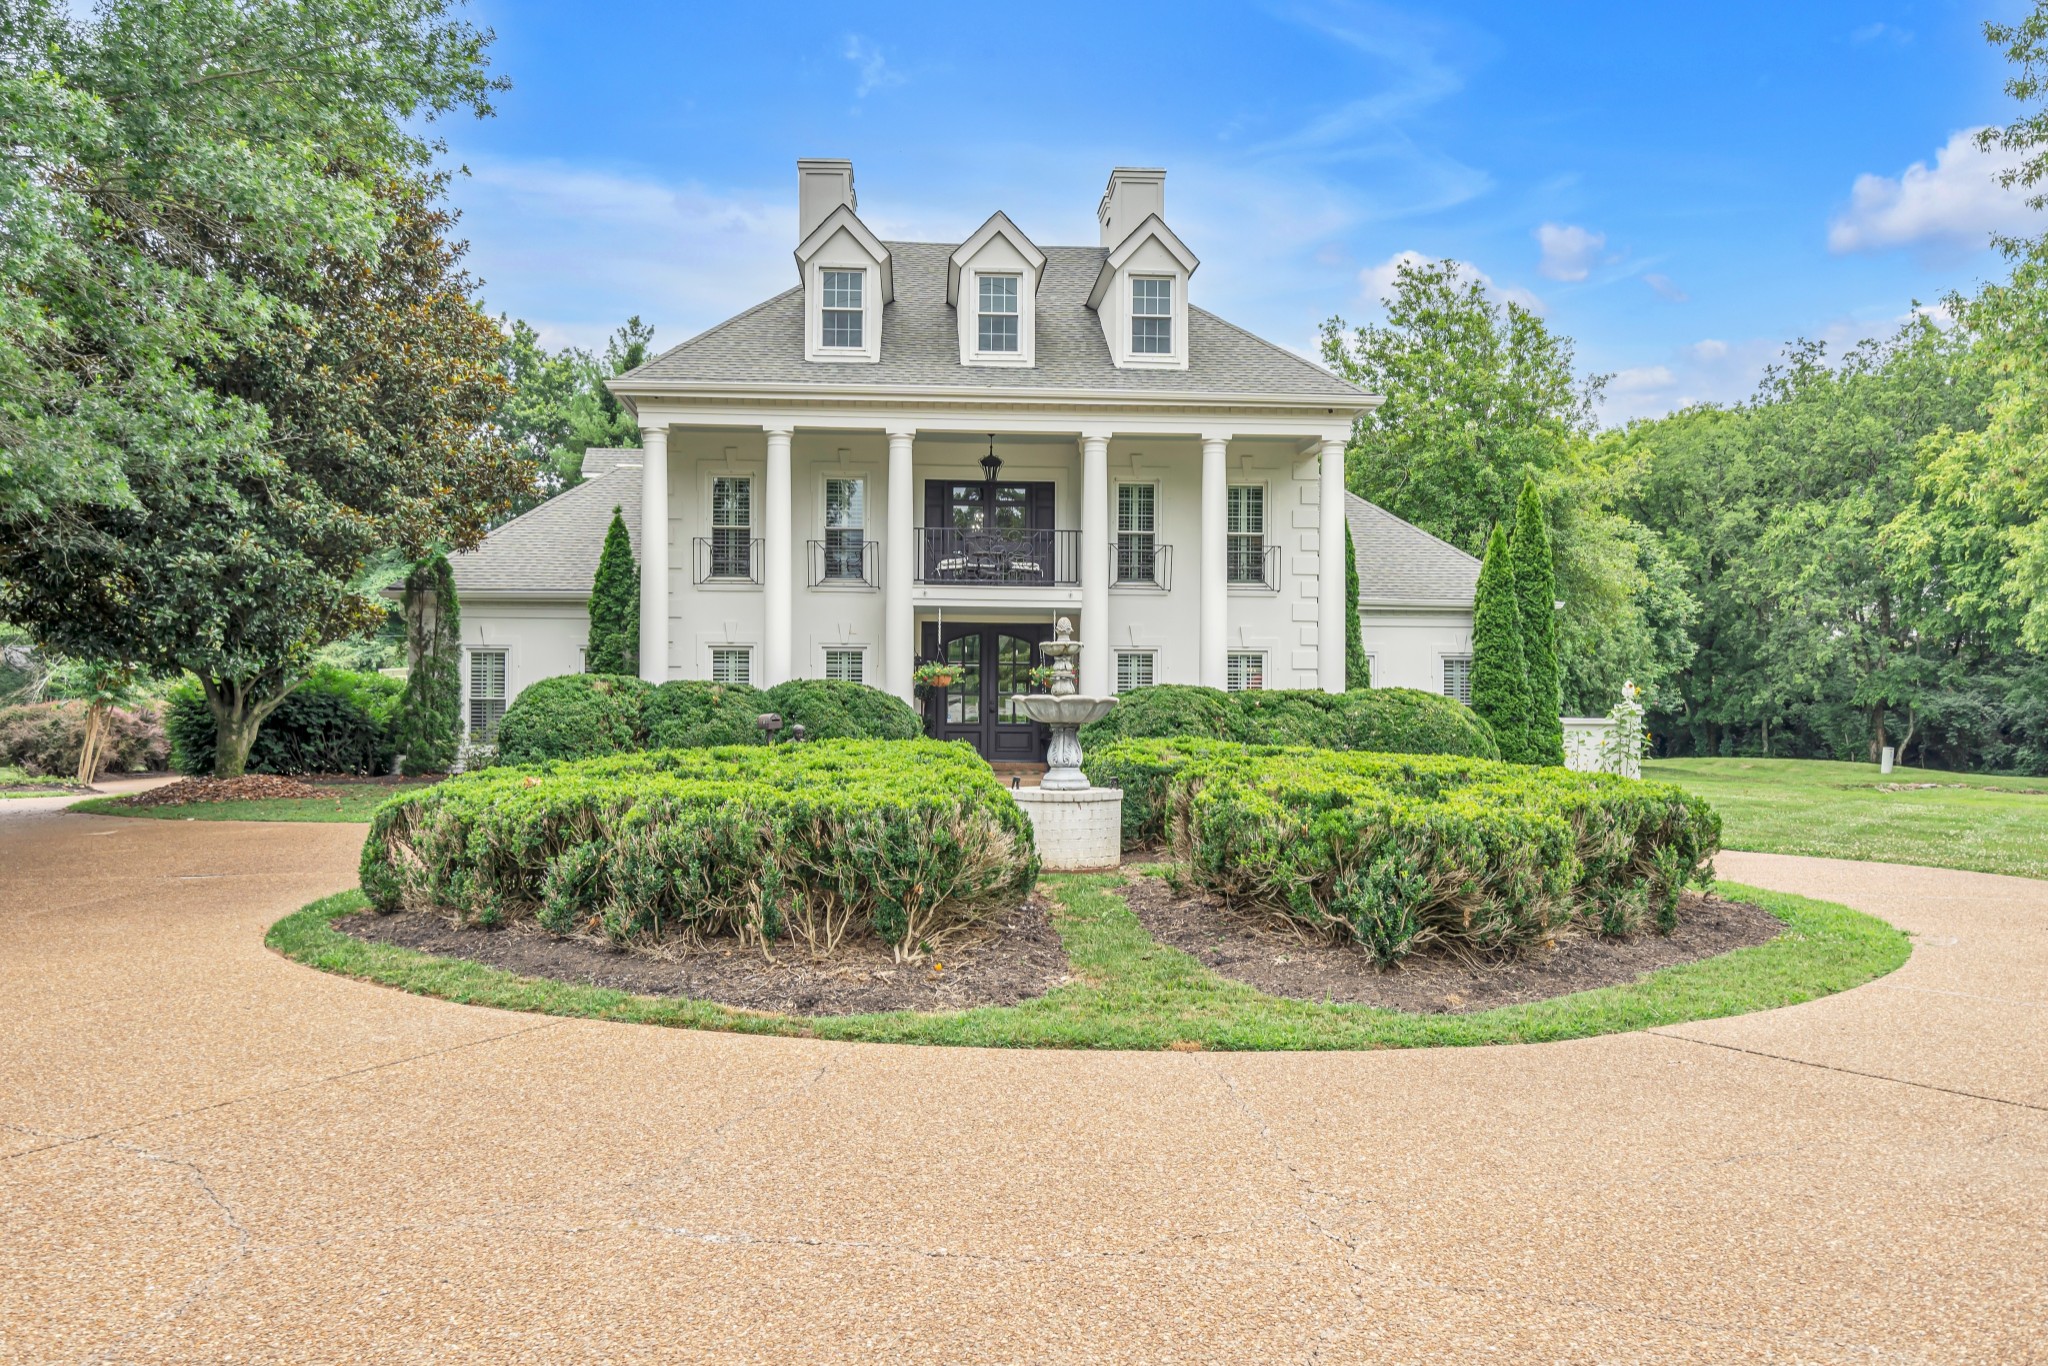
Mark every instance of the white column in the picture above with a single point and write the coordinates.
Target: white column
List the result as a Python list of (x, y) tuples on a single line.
[(778, 558), (1096, 530), (1215, 582), (654, 535), (899, 615), (1330, 569)]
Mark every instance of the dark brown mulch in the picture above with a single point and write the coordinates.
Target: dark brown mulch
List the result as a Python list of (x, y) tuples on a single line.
[(253, 787), (1283, 960), (1017, 959)]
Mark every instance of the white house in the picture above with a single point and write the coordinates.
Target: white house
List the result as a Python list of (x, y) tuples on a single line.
[(933, 450)]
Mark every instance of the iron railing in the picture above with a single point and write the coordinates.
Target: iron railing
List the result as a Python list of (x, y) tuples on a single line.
[(1141, 562), (1248, 562), (722, 558), (845, 563), (1035, 558)]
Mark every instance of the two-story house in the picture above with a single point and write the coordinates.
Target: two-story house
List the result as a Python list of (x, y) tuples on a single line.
[(932, 451)]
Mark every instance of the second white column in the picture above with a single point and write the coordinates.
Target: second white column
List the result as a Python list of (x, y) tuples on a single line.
[(777, 552)]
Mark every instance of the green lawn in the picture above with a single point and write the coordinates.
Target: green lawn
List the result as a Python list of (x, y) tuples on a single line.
[(1133, 992), (345, 802), (23, 785), (1835, 810)]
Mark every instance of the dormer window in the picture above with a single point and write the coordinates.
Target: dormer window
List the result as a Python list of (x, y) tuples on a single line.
[(842, 311), (998, 315), (1152, 316)]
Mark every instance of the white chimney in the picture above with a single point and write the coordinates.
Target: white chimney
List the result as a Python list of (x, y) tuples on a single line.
[(822, 185), (1134, 194)]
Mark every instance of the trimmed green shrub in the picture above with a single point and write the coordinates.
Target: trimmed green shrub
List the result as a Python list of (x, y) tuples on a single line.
[(1406, 721), (1536, 598), (337, 721), (1387, 720), (689, 713), (1395, 852), (1500, 675), (427, 726), (1161, 712), (614, 644), (832, 710), (573, 716), (43, 739), (802, 844), (1357, 666)]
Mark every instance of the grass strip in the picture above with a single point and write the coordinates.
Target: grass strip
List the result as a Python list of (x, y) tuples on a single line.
[(1132, 992), (351, 803)]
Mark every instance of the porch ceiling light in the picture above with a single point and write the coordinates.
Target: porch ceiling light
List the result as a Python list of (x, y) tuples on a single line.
[(991, 462)]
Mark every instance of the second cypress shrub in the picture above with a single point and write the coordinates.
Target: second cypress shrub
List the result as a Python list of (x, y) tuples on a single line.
[(1536, 596), (1500, 676)]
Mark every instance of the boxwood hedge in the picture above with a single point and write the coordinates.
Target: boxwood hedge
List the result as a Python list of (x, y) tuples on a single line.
[(1399, 851), (800, 844), (1383, 720), (585, 716), (573, 716)]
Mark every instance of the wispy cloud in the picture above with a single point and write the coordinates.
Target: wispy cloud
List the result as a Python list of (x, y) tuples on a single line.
[(1957, 202), (1376, 282), (1666, 288), (1881, 32), (1569, 252), (875, 71)]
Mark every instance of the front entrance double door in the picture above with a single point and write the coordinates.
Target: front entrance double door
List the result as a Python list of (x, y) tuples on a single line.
[(991, 665)]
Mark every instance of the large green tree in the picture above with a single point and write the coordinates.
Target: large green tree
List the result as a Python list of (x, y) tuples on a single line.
[(557, 405), (614, 645), (1500, 674), (1535, 599)]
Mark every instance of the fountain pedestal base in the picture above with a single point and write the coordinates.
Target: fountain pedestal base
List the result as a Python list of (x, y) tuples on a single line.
[(1075, 831)]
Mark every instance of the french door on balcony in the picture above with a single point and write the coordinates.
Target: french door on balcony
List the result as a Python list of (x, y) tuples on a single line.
[(991, 665), (978, 531)]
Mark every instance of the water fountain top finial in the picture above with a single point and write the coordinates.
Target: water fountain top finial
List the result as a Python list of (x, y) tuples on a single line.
[(1063, 629)]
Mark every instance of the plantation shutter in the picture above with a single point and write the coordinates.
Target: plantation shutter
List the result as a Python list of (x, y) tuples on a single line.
[(486, 692), (846, 666), (1133, 670), (732, 666), (1244, 672), (1458, 680)]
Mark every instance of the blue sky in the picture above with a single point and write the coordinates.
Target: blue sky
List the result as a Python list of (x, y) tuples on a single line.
[(1681, 189)]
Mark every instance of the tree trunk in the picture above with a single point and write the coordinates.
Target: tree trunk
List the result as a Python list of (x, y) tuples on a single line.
[(1912, 724), (1767, 737), (1877, 732), (94, 742), (236, 719)]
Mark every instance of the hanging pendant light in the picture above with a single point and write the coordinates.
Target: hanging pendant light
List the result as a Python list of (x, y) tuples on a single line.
[(991, 462)]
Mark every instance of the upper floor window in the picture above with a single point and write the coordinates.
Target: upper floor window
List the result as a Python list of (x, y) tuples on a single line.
[(998, 313), (1152, 316), (846, 521), (732, 527), (1245, 555), (1137, 546), (842, 307)]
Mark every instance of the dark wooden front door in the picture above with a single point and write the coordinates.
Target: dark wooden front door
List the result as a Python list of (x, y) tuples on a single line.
[(981, 532), (992, 665)]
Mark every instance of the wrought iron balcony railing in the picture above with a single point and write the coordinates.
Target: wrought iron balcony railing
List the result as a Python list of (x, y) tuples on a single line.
[(1035, 558)]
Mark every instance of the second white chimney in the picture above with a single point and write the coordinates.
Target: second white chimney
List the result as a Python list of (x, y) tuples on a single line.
[(1134, 194), (822, 185)]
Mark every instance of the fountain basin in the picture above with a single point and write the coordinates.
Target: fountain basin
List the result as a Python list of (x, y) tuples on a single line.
[(1053, 710)]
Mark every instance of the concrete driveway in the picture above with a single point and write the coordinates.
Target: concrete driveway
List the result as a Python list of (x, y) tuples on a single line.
[(208, 1153)]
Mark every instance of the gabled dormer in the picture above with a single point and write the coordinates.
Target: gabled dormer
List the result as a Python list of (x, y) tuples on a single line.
[(844, 268), (1141, 290), (992, 286)]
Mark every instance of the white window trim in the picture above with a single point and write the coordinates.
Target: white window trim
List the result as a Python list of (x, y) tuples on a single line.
[(1116, 661), (1026, 354), (712, 650), (1260, 655), (1117, 585), (825, 652), (1131, 359), (510, 692), (685, 551), (870, 349), (1002, 357), (1257, 588), (869, 479)]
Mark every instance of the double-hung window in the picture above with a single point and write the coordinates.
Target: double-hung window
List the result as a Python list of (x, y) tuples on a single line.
[(841, 297), (730, 664), (1137, 541), (1244, 671), (1133, 669), (846, 666), (1152, 316), (997, 320), (486, 692), (1245, 518), (732, 527), (846, 521), (1458, 678)]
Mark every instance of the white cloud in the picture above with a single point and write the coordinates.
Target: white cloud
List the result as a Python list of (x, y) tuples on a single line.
[(1377, 282), (1956, 202), (1892, 33), (1569, 252), (875, 73), (1666, 288), (1707, 350), (1642, 379)]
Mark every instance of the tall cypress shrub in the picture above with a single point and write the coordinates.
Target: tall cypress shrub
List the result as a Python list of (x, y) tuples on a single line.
[(428, 725), (1500, 677), (614, 646), (1357, 668), (1536, 596)]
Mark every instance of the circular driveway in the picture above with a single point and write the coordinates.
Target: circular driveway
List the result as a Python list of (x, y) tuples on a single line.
[(208, 1153)]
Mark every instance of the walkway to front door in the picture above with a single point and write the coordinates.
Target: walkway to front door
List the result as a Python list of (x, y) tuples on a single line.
[(992, 665)]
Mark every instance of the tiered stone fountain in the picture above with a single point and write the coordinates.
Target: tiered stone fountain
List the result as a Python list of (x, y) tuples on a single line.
[(1074, 824)]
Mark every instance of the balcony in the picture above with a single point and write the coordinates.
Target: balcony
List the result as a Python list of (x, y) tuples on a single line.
[(1248, 562), (845, 562), (1141, 562), (1040, 558), (726, 558)]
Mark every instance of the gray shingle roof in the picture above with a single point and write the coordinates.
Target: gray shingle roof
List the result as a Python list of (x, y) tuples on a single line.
[(1400, 564), (554, 548), (921, 344)]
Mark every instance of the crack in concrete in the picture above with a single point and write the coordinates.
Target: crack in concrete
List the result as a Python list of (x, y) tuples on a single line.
[(283, 1090), (1851, 1071)]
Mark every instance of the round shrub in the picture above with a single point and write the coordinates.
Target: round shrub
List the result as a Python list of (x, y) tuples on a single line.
[(1164, 711), (1284, 716), (573, 716), (786, 844), (689, 713), (1407, 721), (337, 721), (832, 710)]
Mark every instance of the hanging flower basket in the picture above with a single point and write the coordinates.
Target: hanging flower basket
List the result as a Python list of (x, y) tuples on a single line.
[(935, 675)]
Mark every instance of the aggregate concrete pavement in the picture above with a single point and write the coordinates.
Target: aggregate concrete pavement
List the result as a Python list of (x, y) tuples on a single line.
[(208, 1153)]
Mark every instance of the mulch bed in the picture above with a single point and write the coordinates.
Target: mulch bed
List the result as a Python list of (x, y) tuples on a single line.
[(253, 787), (1282, 959), (1017, 958)]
